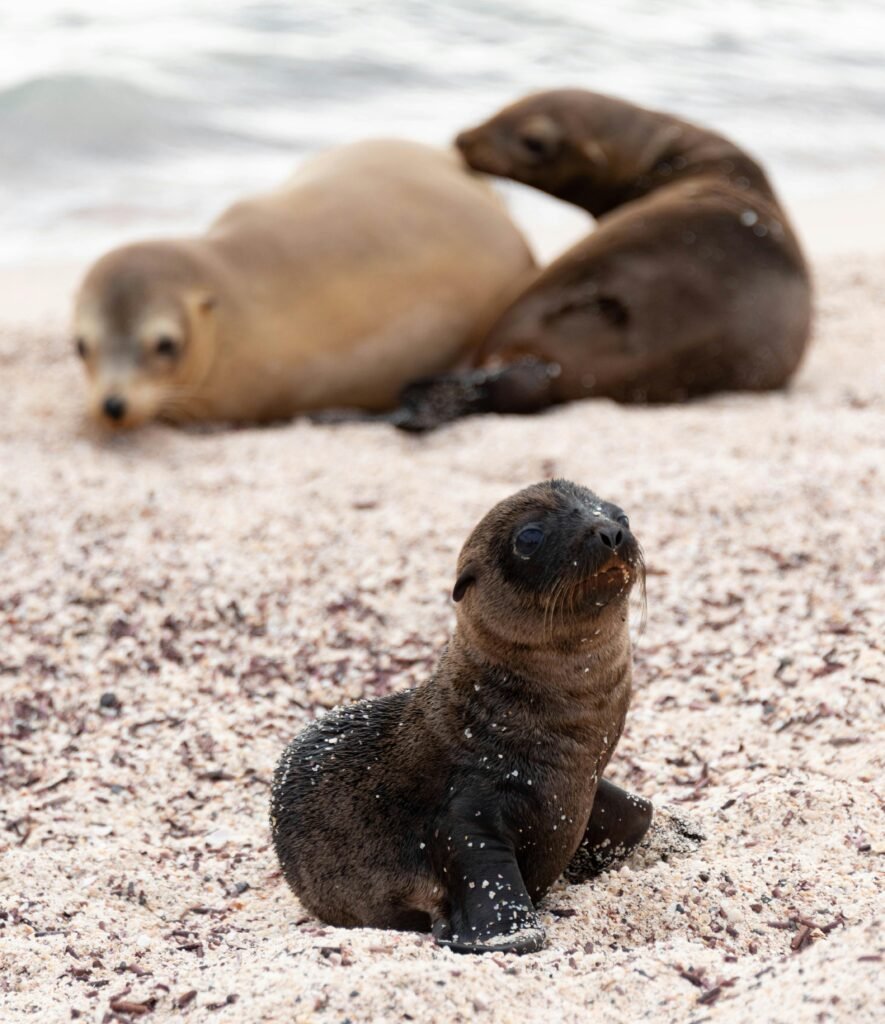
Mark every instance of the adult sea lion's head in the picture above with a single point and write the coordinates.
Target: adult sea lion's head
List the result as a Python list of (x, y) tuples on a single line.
[(144, 331)]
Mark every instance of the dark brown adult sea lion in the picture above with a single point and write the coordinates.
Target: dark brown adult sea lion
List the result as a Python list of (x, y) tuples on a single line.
[(372, 266), (454, 806), (693, 281)]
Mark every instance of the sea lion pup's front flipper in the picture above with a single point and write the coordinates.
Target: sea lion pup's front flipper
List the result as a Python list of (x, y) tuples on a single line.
[(490, 909), (618, 822), (521, 388)]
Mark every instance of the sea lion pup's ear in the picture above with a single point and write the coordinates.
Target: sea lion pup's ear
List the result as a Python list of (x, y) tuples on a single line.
[(464, 582), (594, 152)]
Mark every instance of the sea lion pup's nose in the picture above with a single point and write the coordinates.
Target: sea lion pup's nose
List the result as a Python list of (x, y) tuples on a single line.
[(611, 536), (114, 407)]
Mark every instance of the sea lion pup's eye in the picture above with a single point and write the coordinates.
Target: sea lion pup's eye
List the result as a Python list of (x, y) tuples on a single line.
[(622, 520), (540, 136), (81, 347), (528, 540), (166, 346)]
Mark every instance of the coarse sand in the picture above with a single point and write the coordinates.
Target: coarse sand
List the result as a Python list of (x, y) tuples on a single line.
[(175, 605)]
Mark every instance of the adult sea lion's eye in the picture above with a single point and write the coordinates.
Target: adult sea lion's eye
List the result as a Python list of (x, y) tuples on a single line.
[(166, 346), (528, 540), (80, 346)]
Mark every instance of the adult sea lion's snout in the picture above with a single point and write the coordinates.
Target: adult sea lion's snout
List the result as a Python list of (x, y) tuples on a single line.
[(114, 408), (123, 398)]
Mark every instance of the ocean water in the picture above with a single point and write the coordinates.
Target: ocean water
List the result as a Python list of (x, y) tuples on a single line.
[(144, 117)]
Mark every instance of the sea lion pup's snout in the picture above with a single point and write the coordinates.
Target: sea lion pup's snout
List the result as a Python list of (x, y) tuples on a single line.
[(611, 537), (479, 154)]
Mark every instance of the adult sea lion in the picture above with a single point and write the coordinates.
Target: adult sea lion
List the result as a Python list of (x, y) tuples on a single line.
[(692, 282), (371, 267), (454, 806)]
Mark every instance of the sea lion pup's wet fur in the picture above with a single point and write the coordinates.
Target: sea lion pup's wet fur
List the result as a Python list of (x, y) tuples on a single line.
[(374, 264), (693, 281), (454, 806)]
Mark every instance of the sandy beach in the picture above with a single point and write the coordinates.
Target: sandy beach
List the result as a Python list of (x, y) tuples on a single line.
[(176, 604)]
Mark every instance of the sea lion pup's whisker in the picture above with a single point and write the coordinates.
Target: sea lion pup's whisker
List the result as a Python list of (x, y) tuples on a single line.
[(548, 626), (558, 602), (569, 601), (550, 621), (546, 606), (422, 809), (640, 579)]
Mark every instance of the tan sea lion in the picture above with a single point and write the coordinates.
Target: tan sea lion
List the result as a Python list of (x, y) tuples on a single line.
[(453, 807), (693, 281), (372, 266)]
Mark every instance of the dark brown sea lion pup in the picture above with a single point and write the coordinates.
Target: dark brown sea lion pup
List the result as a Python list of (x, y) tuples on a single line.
[(693, 281), (454, 806), (370, 267)]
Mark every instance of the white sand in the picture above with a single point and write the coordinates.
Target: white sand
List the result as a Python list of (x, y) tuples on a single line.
[(222, 585)]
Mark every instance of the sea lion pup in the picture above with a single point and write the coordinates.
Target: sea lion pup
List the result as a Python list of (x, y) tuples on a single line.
[(693, 281), (454, 806), (370, 267)]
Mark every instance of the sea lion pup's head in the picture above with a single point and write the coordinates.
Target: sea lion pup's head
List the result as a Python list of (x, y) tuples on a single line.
[(589, 149), (143, 328), (548, 567), (542, 140)]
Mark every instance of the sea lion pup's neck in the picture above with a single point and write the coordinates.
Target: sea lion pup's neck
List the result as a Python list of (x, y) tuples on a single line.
[(515, 694), (599, 649), (599, 152)]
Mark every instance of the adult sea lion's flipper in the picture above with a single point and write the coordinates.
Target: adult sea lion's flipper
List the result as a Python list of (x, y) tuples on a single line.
[(521, 388)]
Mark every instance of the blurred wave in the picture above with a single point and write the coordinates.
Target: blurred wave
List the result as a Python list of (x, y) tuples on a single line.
[(149, 117), (48, 122)]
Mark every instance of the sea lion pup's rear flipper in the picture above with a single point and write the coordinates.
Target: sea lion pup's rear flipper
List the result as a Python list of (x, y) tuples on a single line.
[(618, 822), (490, 909), (522, 388)]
